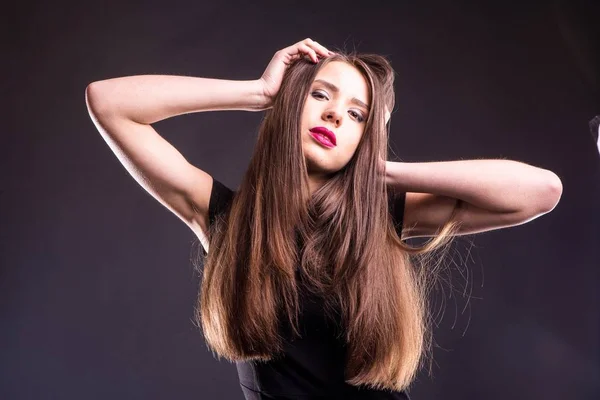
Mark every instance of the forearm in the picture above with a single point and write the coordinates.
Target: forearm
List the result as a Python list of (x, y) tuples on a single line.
[(497, 185), (150, 98)]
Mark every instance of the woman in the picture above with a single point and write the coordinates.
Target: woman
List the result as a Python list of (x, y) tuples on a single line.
[(308, 285)]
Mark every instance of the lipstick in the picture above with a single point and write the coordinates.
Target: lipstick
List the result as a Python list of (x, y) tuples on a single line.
[(324, 136)]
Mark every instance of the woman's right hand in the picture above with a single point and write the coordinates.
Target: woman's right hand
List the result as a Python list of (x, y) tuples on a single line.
[(272, 77)]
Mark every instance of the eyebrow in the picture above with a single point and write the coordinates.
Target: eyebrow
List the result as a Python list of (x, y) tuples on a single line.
[(335, 89)]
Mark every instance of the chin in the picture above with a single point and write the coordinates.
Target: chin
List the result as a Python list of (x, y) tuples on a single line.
[(321, 161)]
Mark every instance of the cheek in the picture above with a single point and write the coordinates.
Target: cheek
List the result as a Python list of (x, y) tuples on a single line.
[(354, 139), (347, 150), (307, 111)]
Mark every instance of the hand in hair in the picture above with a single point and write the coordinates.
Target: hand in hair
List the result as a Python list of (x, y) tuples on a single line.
[(273, 75)]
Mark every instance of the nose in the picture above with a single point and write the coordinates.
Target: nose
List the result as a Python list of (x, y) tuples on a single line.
[(333, 115)]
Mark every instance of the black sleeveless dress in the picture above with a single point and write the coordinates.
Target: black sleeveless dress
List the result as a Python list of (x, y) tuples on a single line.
[(311, 366)]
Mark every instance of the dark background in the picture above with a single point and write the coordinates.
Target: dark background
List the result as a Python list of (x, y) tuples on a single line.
[(96, 285)]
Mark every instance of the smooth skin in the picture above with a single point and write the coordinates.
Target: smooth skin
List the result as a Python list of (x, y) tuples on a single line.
[(338, 100), (123, 110)]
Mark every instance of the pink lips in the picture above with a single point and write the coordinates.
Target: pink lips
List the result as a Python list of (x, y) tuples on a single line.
[(325, 132)]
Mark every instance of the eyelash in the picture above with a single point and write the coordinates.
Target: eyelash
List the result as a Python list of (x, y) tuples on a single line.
[(358, 116)]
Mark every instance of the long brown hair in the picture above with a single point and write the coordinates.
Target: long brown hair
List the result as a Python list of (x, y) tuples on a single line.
[(342, 238)]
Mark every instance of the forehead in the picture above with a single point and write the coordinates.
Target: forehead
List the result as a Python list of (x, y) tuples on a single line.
[(347, 78)]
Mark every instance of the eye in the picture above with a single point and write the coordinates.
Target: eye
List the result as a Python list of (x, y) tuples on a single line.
[(319, 94), (356, 115)]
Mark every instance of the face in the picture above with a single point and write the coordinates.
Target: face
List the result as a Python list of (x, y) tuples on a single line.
[(337, 103)]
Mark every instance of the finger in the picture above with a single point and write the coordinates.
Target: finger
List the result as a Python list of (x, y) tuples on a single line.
[(297, 50), (292, 54), (320, 49), (298, 56), (317, 47), (309, 51)]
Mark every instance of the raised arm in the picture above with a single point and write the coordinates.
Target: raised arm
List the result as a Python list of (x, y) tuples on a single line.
[(123, 109)]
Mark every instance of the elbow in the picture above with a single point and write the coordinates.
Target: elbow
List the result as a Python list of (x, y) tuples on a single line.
[(96, 99), (552, 192)]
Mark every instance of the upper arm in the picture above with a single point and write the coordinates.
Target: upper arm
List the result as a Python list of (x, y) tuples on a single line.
[(426, 213), (159, 168)]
